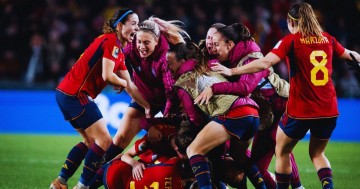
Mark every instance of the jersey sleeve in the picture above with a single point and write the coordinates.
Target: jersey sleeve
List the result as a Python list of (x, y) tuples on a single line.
[(338, 48), (282, 47), (114, 53)]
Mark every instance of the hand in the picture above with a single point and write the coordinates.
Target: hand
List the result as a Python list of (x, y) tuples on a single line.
[(137, 170), (353, 64), (154, 135), (218, 68), (204, 96)]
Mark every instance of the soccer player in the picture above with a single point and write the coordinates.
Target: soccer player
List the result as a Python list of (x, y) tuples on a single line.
[(160, 165), (146, 57), (227, 113), (312, 103), (102, 63)]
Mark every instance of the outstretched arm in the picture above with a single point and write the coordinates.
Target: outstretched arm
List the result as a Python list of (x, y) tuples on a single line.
[(255, 66)]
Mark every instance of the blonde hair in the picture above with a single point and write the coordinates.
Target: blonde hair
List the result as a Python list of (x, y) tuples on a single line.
[(303, 14), (171, 29)]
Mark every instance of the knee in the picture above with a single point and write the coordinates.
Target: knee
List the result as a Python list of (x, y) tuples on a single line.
[(104, 142), (122, 140), (315, 154), (192, 150), (88, 142)]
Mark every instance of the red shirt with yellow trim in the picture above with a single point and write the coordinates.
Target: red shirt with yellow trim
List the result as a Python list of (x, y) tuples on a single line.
[(165, 175), (309, 60), (86, 74)]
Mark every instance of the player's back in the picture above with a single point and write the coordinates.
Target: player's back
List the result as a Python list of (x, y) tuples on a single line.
[(311, 86)]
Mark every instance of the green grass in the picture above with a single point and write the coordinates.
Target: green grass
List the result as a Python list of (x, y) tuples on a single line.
[(33, 161)]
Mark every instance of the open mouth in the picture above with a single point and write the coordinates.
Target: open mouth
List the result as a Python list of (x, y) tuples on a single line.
[(132, 34)]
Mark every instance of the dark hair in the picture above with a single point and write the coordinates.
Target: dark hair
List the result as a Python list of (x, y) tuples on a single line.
[(294, 11), (120, 15), (217, 25), (185, 135), (189, 51), (202, 43), (235, 32)]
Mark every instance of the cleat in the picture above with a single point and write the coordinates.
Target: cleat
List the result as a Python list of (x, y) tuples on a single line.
[(56, 184)]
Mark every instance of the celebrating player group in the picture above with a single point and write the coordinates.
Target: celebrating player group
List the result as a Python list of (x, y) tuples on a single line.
[(217, 97)]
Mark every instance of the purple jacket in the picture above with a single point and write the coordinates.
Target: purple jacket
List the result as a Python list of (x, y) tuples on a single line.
[(240, 85), (151, 75), (196, 116)]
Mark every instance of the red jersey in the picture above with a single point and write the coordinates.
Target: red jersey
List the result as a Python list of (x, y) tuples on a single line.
[(309, 60), (86, 74), (161, 176)]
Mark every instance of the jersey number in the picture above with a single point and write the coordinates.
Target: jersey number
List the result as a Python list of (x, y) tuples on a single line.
[(319, 66), (154, 185)]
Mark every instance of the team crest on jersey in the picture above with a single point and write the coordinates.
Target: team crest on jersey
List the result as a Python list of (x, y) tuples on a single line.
[(115, 52)]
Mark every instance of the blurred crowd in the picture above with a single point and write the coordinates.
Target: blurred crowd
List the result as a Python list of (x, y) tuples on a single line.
[(42, 39)]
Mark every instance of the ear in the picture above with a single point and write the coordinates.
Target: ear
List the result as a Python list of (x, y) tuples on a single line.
[(230, 45)]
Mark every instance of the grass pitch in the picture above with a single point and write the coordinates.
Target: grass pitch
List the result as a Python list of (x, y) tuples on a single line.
[(33, 161)]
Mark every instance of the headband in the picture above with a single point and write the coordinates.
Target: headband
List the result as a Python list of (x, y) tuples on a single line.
[(121, 17), (292, 17)]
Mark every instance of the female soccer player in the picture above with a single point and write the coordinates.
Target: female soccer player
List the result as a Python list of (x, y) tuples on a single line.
[(228, 110), (312, 103), (161, 165), (274, 92), (146, 57), (102, 63)]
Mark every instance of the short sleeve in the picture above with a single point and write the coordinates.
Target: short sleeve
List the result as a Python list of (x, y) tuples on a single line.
[(114, 53), (338, 48), (283, 46)]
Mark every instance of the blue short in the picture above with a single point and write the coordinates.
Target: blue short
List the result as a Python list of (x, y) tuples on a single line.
[(243, 128), (154, 110), (81, 111), (297, 128)]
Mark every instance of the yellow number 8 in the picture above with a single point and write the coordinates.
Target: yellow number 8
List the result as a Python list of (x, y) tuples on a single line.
[(319, 66)]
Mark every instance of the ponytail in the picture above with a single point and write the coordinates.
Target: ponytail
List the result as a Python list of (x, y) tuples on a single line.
[(304, 16), (171, 29)]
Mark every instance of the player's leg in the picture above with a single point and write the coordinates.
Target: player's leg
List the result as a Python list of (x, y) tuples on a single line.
[(284, 146), (94, 157), (321, 131), (130, 126), (262, 152), (212, 135)]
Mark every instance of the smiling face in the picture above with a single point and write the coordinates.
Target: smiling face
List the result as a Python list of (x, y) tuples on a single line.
[(209, 41), (173, 63), (146, 43), (221, 47), (130, 27)]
